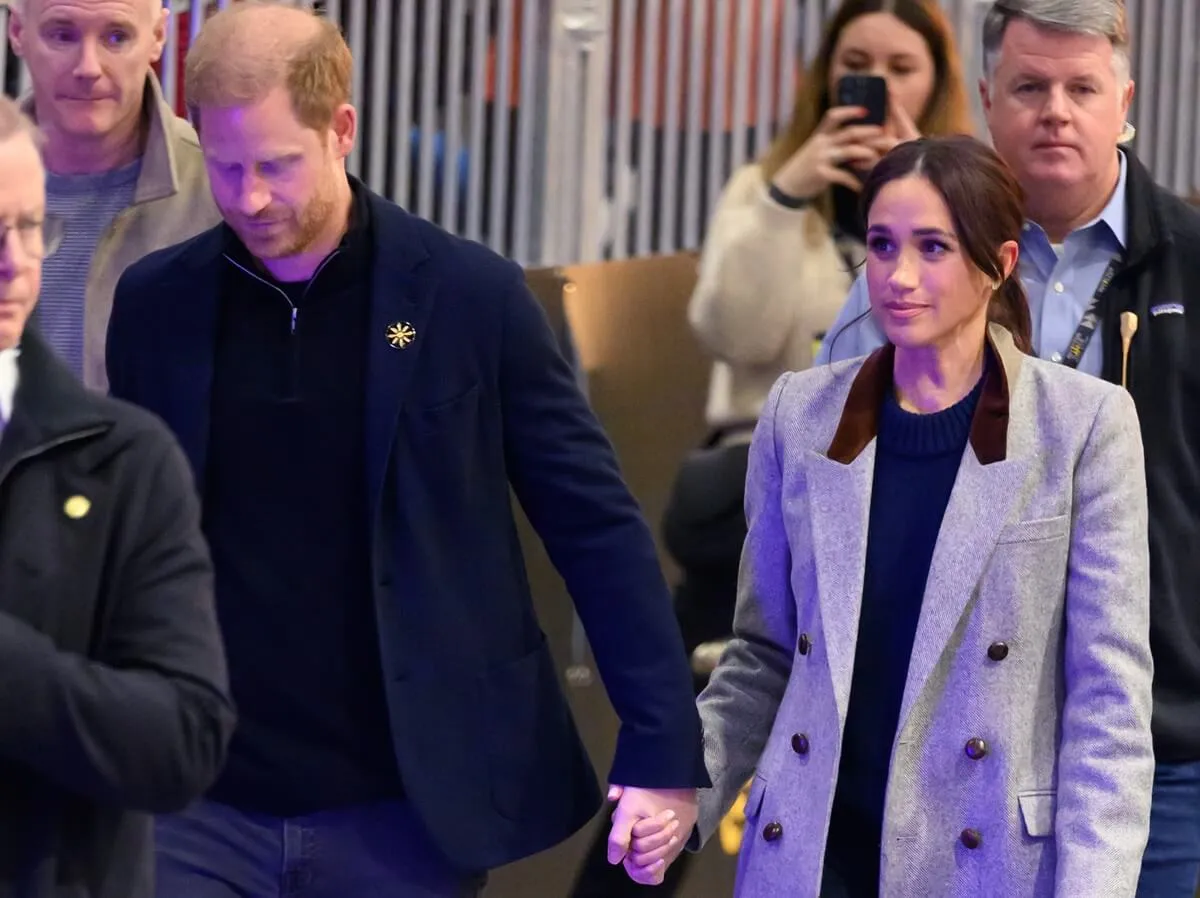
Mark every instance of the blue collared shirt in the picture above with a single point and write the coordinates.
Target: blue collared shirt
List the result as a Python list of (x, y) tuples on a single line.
[(1060, 284)]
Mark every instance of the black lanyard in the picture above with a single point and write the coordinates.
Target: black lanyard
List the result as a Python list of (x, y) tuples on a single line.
[(1091, 318)]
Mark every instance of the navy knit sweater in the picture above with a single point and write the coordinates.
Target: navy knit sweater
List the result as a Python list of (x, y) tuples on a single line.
[(917, 459)]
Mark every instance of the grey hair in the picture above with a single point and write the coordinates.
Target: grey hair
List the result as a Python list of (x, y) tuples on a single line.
[(1101, 18), (14, 122)]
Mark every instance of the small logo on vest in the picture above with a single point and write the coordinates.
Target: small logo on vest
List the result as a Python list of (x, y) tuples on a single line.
[(1167, 308)]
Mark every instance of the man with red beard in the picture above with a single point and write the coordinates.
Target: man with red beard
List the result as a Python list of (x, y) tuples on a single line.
[(357, 392)]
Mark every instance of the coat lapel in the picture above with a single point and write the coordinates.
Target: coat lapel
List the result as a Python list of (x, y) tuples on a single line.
[(401, 302), (839, 487), (839, 511), (986, 488), (979, 507), (188, 376)]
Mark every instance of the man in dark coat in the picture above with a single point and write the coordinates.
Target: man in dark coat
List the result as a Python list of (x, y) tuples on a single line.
[(113, 688)]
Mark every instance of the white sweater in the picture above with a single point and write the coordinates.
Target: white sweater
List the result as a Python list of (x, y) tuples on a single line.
[(771, 279)]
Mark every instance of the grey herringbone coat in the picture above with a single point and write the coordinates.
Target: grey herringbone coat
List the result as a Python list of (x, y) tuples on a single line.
[(1043, 548)]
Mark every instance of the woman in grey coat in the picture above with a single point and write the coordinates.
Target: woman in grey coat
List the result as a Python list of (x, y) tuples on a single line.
[(940, 676)]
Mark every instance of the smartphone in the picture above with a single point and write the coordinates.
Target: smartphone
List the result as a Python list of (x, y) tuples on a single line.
[(868, 91)]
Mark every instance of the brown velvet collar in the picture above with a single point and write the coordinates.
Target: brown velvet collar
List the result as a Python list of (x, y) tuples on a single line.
[(860, 418)]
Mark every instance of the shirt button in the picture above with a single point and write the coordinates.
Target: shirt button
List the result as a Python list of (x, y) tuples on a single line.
[(1058, 287)]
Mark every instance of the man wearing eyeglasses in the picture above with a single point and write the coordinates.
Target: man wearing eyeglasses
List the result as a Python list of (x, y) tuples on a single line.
[(125, 174), (114, 699)]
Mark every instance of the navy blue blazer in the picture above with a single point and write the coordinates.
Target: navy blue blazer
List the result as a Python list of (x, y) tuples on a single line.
[(471, 396)]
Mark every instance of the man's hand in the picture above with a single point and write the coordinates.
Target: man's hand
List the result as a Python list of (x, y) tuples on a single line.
[(650, 828)]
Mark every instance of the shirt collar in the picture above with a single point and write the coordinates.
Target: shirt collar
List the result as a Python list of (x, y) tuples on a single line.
[(9, 375), (1112, 215)]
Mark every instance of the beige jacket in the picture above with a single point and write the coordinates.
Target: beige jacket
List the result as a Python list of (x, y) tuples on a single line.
[(171, 203), (771, 280)]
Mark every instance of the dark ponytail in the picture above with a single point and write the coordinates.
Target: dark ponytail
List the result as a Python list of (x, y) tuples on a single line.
[(1009, 308)]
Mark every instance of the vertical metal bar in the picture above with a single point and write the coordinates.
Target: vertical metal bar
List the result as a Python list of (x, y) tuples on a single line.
[(479, 86), (1169, 97), (669, 180), (1194, 152), (170, 56), (400, 126), (501, 112), (452, 148), (431, 63), (768, 53), (526, 119), (695, 123), (333, 11), (557, 134), (596, 43), (356, 39), (4, 13), (1189, 95), (648, 122), (1189, 107), (717, 170), (376, 121), (621, 141), (789, 43), (1147, 86), (197, 13), (810, 37), (742, 64)]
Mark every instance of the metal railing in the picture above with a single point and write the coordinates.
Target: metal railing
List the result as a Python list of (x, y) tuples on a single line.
[(560, 131)]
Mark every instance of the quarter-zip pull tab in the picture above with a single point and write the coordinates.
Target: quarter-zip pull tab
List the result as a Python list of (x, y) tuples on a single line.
[(295, 312)]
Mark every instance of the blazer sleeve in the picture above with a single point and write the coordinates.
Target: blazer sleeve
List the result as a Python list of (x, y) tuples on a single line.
[(1106, 761), (744, 306), (143, 723), (116, 357), (565, 475), (739, 705)]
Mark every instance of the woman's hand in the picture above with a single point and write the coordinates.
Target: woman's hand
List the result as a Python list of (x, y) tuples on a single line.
[(900, 129), (819, 161)]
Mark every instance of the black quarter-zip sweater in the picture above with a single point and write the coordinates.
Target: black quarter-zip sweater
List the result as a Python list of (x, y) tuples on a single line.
[(286, 515)]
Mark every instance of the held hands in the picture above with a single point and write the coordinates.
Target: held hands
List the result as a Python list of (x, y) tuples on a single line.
[(821, 161), (650, 828)]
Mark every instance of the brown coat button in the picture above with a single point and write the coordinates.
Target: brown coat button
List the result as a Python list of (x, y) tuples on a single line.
[(804, 644), (976, 749), (998, 651), (772, 831), (800, 744), (971, 838)]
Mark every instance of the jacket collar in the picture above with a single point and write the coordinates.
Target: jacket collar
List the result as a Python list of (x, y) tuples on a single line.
[(50, 402), (395, 240), (1144, 228), (158, 177), (859, 423)]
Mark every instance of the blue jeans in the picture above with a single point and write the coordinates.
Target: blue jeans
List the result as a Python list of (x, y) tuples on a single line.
[(1171, 864), (373, 851)]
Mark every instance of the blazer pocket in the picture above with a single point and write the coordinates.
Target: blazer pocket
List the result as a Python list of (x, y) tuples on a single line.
[(1036, 531), (438, 415), (1037, 811)]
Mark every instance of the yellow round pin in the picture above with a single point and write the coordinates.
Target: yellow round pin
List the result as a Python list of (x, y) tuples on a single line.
[(77, 506)]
